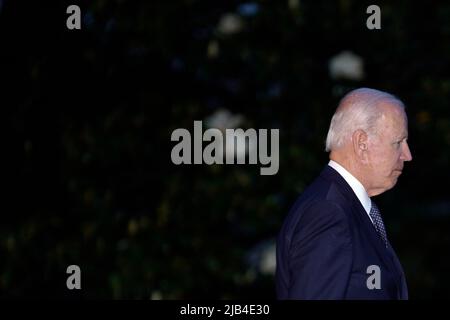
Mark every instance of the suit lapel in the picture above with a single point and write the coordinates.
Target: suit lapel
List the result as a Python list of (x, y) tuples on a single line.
[(387, 255), (403, 294)]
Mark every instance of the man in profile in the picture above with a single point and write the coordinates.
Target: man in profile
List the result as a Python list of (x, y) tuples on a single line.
[(333, 243)]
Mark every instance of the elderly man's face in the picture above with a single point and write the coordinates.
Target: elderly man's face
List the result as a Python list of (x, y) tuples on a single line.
[(388, 150)]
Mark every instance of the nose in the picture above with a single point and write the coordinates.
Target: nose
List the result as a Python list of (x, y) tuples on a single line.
[(406, 153)]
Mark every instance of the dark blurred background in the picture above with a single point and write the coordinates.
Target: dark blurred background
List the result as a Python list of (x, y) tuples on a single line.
[(89, 115)]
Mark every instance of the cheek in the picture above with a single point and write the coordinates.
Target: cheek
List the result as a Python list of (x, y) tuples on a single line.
[(383, 162), (392, 163)]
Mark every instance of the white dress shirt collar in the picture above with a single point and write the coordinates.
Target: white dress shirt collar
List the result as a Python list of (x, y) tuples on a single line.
[(356, 186)]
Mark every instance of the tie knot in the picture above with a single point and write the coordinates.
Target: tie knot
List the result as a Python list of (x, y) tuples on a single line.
[(374, 207)]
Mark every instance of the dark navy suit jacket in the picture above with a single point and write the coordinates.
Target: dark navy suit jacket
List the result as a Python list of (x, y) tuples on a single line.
[(326, 244)]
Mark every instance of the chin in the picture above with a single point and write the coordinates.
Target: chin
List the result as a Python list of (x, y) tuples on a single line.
[(393, 183), (390, 185)]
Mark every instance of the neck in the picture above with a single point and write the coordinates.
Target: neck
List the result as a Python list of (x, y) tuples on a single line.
[(345, 160)]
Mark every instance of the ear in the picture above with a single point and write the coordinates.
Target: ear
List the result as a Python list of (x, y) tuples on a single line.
[(360, 144)]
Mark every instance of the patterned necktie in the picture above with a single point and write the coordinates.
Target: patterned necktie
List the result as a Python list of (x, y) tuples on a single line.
[(378, 222)]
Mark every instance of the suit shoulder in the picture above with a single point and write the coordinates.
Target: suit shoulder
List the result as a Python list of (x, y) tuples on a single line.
[(328, 191), (324, 197)]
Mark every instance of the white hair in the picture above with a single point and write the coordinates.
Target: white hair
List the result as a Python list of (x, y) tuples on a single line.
[(357, 110)]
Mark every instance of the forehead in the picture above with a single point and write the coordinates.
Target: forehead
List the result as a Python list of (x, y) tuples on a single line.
[(393, 121)]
